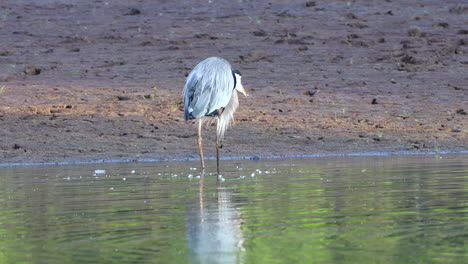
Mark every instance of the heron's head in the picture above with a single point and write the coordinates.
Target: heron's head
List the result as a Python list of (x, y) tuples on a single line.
[(239, 86)]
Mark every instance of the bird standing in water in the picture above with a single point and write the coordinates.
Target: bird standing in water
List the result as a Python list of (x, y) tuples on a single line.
[(210, 93)]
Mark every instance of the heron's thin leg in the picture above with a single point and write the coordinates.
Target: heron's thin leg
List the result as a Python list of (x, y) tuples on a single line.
[(217, 147), (200, 144)]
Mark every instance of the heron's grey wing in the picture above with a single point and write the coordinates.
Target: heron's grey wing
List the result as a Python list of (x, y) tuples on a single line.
[(209, 87), (191, 95)]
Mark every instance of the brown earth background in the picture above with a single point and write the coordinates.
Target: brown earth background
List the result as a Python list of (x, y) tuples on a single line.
[(93, 80)]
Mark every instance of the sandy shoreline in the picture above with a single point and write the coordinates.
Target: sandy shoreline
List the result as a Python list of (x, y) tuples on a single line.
[(92, 81)]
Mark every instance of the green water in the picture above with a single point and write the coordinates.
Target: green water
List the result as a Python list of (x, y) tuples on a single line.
[(397, 209)]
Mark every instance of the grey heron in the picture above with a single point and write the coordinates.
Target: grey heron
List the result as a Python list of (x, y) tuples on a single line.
[(210, 93)]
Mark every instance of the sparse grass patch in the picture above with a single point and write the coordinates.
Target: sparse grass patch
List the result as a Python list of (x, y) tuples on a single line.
[(174, 108)]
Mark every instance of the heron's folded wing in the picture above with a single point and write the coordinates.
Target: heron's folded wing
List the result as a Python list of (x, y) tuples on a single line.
[(208, 88)]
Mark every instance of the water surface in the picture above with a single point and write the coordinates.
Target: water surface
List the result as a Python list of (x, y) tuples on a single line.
[(397, 209)]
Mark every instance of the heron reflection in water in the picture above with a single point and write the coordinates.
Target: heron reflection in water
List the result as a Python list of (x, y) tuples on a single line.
[(214, 232)]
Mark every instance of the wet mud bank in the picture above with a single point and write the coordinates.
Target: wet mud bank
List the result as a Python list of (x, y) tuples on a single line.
[(94, 80)]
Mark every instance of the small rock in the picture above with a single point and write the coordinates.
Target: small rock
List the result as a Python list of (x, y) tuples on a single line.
[(285, 14), (133, 12), (461, 111), (123, 98), (409, 59), (357, 25), (149, 96), (310, 92), (259, 33), (32, 70), (459, 10), (351, 16), (5, 53), (310, 3), (462, 31), (303, 48), (205, 36), (416, 32), (374, 101), (462, 42), (145, 43), (441, 24)]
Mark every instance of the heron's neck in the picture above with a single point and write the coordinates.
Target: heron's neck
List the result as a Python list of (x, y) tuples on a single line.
[(235, 80)]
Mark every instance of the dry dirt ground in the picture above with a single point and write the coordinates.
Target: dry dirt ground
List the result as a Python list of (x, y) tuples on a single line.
[(91, 80)]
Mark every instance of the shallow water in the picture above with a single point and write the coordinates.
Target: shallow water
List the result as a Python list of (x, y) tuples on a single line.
[(396, 209)]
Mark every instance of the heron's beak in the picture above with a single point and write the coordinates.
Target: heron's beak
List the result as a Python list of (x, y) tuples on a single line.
[(241, 89)]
